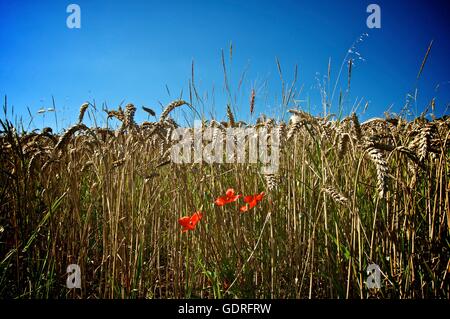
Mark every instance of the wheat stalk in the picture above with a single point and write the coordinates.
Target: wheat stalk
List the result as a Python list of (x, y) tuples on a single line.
[(169, 108), (231, 121), (118, 162), (294, 126), (117, 114), (356, 127), (130, 110), (424, 141), (377, 158), (344, 140), (252, 101), (149, 111), (271, 181), (83, 109), (337, 197), (65, 138)]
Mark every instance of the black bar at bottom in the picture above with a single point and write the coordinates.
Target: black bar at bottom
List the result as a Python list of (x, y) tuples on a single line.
[(232, 308)]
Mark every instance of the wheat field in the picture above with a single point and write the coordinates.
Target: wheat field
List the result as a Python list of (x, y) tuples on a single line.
[(347, 194)]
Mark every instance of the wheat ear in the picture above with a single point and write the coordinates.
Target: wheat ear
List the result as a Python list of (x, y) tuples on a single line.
[(83, 109), (377, 158), (169, 108), (64, 140), (230, 116)]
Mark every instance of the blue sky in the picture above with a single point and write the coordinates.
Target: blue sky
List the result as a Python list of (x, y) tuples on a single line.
[(130, 50)]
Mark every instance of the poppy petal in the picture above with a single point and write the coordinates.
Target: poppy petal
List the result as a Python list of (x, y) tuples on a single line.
[(248, 199), (234, 198), (189, 222), (260, 196), (184, 221), (230, 192), (252, 203), (195, 218), (244, 208), (220, 201)]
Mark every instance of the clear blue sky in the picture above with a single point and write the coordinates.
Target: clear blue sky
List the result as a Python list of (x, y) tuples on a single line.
[(130, 50)]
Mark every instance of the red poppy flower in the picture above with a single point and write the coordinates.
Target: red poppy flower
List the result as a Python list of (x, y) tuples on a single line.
[(189, 222), (229, 197), (251, 201)]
